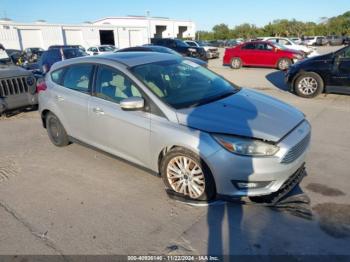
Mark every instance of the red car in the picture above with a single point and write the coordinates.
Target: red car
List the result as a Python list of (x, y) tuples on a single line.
[(261, 53)]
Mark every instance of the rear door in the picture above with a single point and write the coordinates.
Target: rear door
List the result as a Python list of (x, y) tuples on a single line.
[(70, 95), (247, 54), (122, 133)]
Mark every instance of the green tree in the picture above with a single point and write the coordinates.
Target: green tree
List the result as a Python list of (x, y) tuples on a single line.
[(221, 31)]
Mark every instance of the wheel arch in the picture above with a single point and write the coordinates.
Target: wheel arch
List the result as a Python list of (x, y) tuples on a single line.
[(44, 114), (170, 148), (305, 72)]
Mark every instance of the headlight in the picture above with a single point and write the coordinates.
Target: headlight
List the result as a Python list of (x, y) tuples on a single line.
[(246, 146), (192, 50), (297, 56)]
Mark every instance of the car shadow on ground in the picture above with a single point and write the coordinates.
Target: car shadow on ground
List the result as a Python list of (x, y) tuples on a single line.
[(277, 79)]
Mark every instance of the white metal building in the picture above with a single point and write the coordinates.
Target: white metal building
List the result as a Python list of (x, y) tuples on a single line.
[(119, 31)]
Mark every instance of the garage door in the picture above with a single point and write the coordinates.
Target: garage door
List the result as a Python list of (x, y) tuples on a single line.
[(31, 38), (135, 38), (74, 37)]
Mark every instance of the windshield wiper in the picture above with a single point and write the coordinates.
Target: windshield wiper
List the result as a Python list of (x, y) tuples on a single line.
[(212, 99)]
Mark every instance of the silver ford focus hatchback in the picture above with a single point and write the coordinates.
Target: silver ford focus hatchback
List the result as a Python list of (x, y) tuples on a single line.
[(205, 136)]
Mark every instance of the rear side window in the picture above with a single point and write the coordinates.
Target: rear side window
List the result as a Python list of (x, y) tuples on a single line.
[(78, 77), (57, 76), (249, 46)]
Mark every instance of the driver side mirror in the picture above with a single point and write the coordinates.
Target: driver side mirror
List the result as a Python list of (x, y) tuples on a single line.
[(132, 103)]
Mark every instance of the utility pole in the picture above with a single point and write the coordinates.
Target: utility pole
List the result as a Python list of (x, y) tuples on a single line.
[(148, 14)]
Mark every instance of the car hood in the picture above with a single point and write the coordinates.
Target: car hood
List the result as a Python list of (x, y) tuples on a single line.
[(317, 58), (12, 71), (246, 113)]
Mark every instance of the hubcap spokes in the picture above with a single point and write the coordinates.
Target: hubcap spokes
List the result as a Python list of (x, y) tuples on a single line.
[(186, 177), (284, 64), (308, 85)]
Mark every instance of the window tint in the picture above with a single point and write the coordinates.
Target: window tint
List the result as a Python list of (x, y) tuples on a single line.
[(114, 86), (249, 46), (283, 42), (78, 77), (182, 83), (264, 47), (191, 43), (57, 75)]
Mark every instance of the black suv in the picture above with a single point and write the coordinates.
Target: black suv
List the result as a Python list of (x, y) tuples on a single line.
[(326, 73), (181, 47), (17, 86)]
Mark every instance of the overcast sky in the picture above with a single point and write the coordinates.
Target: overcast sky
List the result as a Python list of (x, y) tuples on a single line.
[(206, 13)]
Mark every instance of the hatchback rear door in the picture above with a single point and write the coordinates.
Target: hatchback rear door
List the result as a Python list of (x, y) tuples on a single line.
[(70, 95)]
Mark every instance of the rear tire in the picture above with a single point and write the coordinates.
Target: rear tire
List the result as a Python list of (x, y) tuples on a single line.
[(56, 131), (236, 63), (185, 173), (284, 63), (308, 85)]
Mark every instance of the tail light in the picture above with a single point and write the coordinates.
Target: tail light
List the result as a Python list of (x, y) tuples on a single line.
[(41, 86)]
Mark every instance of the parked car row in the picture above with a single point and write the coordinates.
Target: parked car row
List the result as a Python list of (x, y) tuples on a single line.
[(261, 53), (323, 40)]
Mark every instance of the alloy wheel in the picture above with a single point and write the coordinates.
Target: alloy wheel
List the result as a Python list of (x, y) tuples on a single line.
[(284, 64), (186, 177), (308, 85)]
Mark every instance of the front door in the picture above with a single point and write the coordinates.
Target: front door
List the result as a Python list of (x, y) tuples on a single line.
[(122, 133), (341, 70)]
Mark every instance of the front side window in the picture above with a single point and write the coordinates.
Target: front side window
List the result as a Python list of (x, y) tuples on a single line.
[(264, 47), (345, 53), (182, 83), (78, 77), (114, 86), (106, 49), (191, 43)]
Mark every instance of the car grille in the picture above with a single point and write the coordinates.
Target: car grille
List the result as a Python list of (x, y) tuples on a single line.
[(13, 86), (297, 150), (213, 50)]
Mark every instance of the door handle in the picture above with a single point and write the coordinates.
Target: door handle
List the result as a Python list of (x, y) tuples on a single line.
[(59, 98), (98, 111)]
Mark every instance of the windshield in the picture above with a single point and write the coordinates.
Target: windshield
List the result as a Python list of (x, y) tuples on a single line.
[(182, 83), (166, 50), (106, 48), (180, 43), (4, 57)]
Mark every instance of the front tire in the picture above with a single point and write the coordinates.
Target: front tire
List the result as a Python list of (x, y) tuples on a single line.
[(56, 131), (185, 173), (283, 64), (308, 85)]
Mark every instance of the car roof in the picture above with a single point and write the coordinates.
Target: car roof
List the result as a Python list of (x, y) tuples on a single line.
[(128, 59)]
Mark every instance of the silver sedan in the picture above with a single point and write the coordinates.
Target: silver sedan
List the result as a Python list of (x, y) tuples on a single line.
[(204, 135)]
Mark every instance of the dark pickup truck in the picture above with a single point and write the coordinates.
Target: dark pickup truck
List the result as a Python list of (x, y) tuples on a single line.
[(181, 47), (17, 86)]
